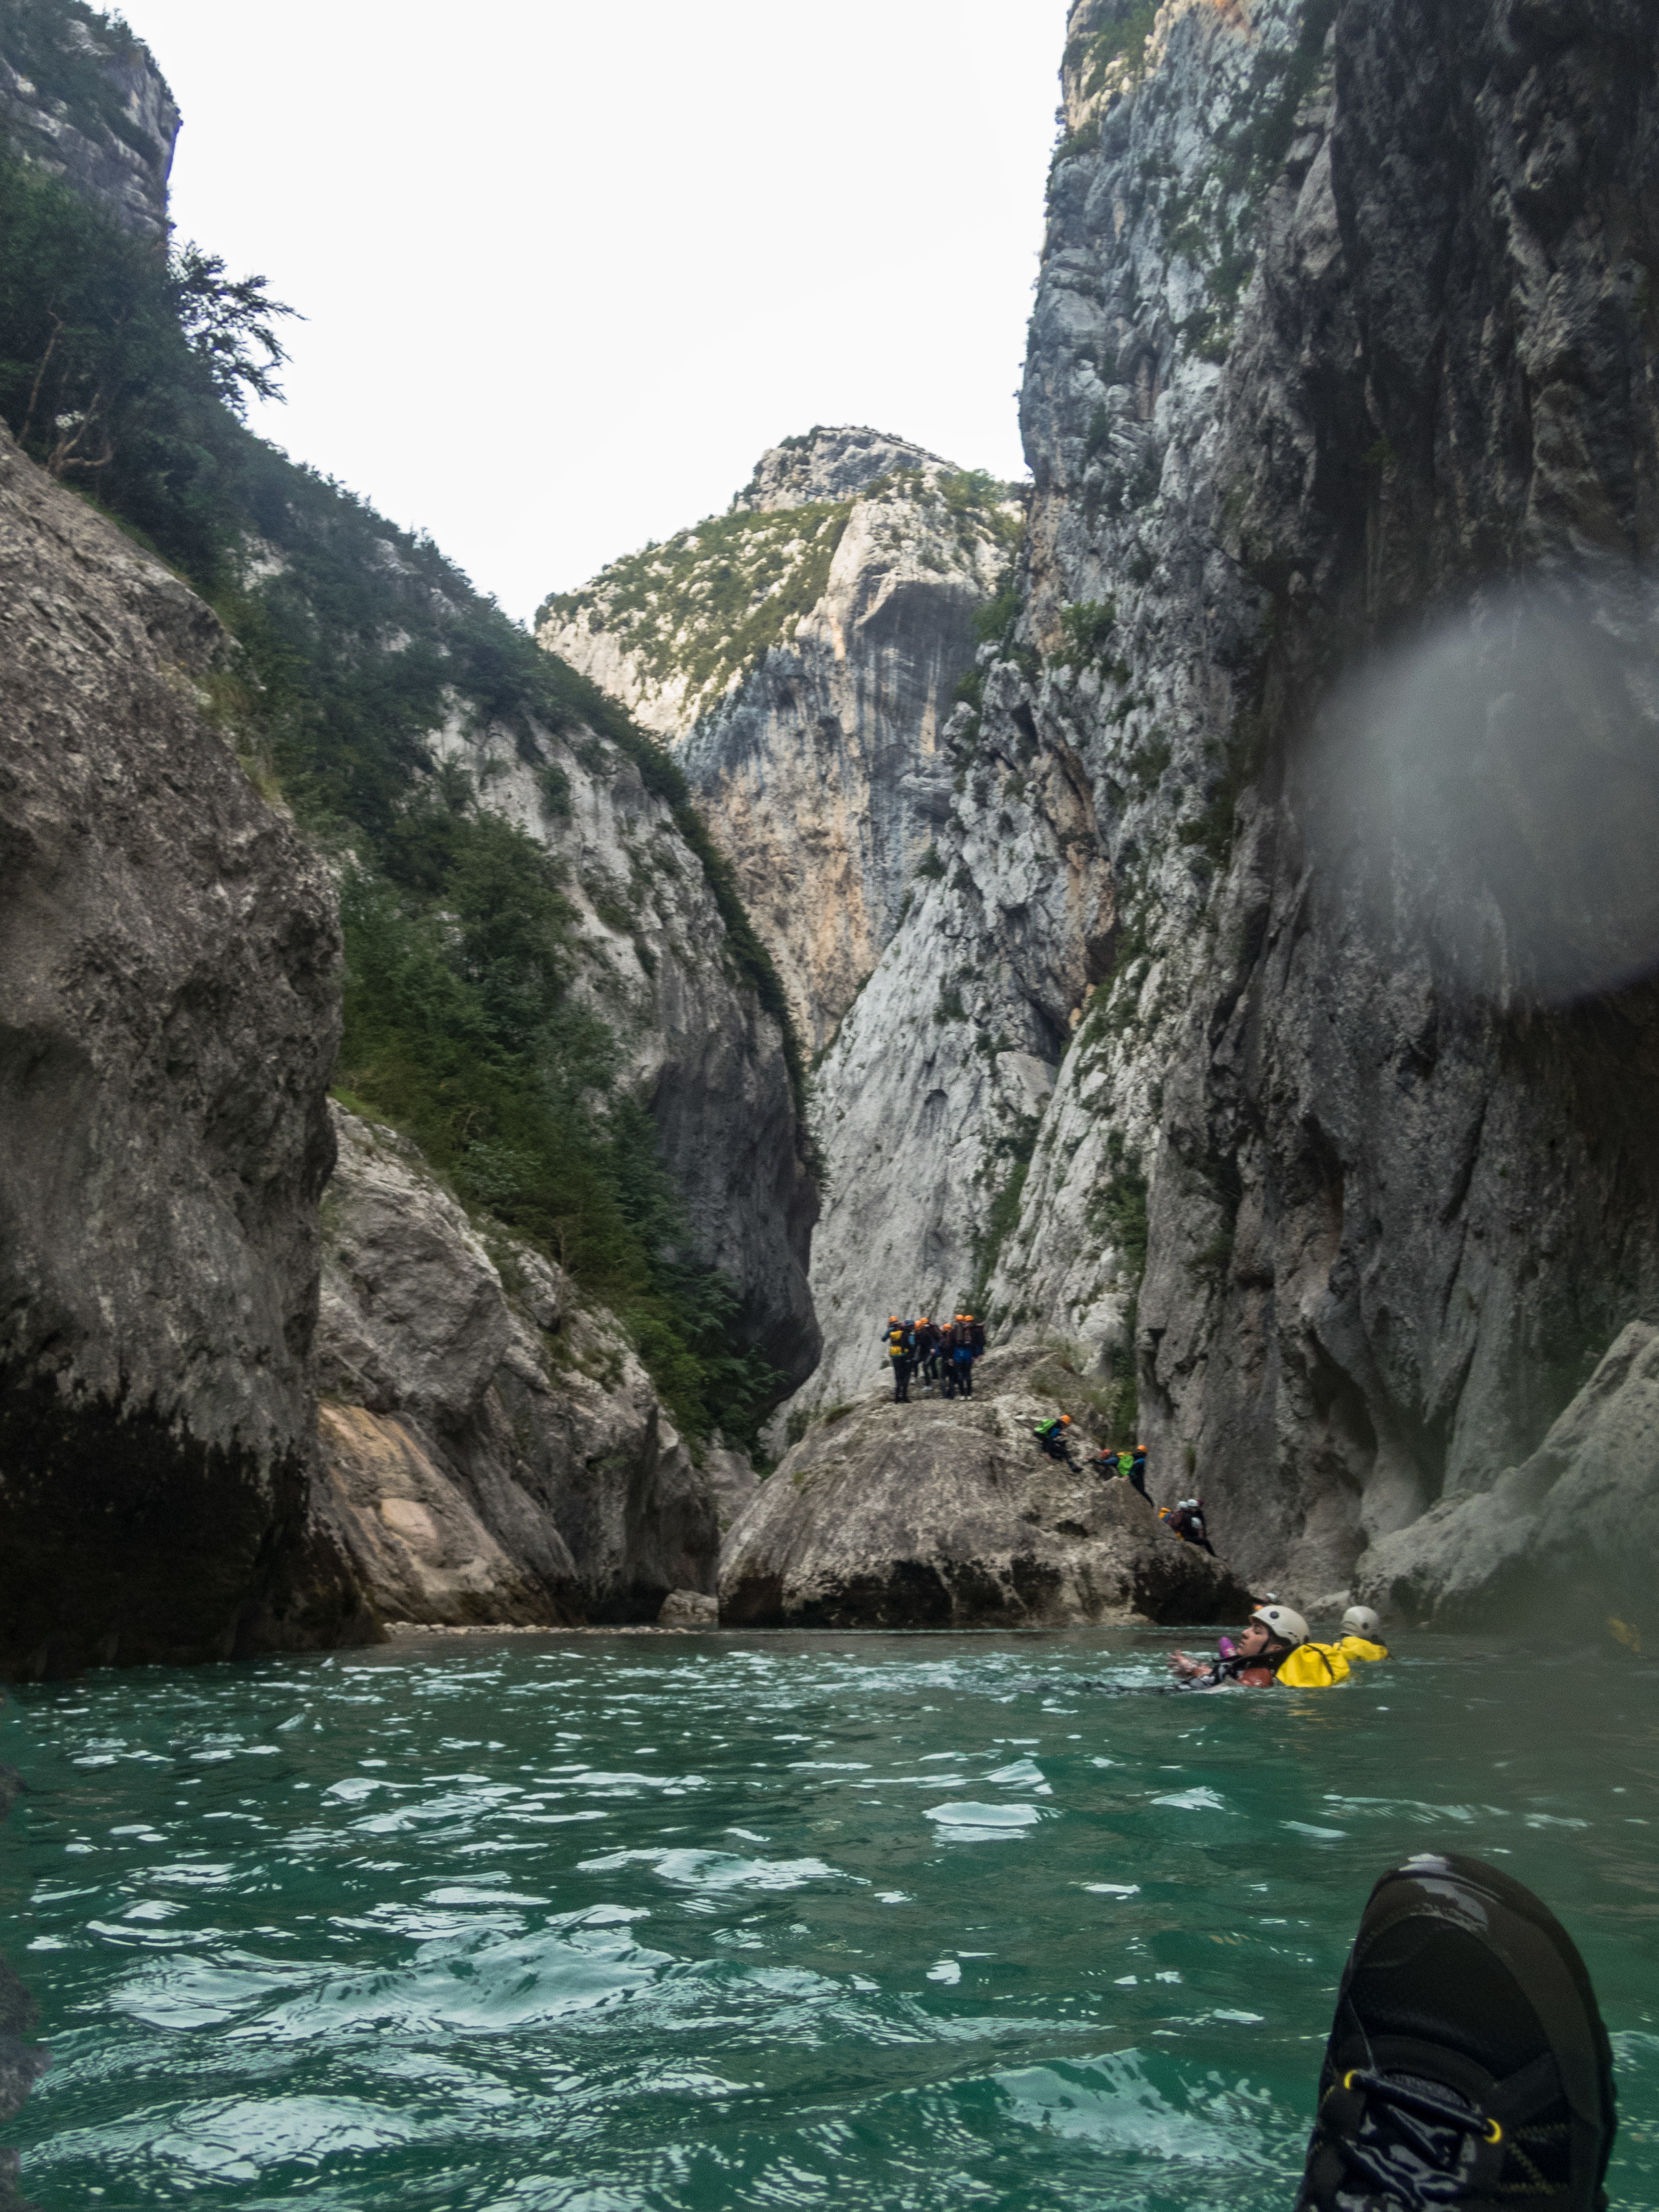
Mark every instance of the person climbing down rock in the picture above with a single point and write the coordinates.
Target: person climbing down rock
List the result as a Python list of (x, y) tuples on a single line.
[(1273, 1648), (1468, 2063), (900, 1343), (1052, 1436), (1362, 1635), (1187, 1522), (1137, 1470)]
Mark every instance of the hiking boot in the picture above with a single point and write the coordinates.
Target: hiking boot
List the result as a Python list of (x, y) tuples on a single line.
[(1467, 2064)]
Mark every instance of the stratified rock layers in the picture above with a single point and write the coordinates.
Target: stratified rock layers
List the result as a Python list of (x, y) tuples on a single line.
[(1345, 313), (171, 960)]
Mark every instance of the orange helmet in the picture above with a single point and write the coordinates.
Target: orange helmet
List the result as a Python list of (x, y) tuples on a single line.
[(892, 1321), (1066, 1420)]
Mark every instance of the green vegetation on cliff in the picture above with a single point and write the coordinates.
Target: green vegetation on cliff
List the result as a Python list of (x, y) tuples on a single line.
[(702, 610), (120, 369), (35, 37), (737, 586)]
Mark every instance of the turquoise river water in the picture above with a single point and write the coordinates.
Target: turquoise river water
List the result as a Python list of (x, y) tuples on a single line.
[(607, 1922)]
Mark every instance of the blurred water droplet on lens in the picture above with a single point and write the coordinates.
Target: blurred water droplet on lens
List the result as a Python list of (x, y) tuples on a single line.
[(1494, 786)]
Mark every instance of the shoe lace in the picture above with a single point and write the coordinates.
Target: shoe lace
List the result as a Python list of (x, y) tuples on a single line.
[(1420, 2142)]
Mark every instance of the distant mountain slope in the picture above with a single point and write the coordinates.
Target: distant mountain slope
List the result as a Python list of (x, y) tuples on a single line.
[(801, 652)]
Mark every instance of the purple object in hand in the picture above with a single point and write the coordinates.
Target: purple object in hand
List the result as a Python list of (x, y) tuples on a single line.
[(1227, 1648)]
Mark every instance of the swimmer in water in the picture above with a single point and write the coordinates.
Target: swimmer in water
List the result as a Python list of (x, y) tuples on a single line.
[(1362, 1635), (1270, 1637)]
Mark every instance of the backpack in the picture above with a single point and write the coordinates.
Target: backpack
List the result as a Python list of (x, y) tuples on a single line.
[(1314, 1667)]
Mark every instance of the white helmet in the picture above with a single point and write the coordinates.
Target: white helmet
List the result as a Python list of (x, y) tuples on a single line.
[(1279, 1620), (1360, 1620)]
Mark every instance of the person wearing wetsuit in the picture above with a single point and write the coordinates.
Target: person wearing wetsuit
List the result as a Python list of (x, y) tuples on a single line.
[(1195, 1532), (926, 1350), (1137, 1470), (1051, 1435), (963, 1357), (901, 1354), (1185, 1520)]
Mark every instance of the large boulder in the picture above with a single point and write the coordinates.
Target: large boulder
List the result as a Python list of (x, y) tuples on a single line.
[(1570, 1535), (946, 1515), (492, 1449), (169, 1015)]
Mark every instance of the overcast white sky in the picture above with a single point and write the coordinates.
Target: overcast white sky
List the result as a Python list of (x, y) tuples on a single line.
[(568, 268)]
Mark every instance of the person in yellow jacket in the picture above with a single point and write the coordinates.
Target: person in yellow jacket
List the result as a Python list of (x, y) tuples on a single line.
[(1275, 1647), (1362, 1635)]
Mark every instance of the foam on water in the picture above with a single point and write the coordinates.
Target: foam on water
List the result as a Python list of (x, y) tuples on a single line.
[(634, 1925)]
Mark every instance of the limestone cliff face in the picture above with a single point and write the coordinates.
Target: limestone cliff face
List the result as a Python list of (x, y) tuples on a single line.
[(171, 964), (801, 652), (492, 1449), (170, 1013), (693, 1042), (1345, 313), (80, 98)]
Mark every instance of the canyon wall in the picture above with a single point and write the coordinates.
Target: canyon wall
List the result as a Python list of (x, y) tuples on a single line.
[(691, 1040), (80, 98), (493, 1442), (801, 655), (171, 962), (1345, 321), (492, 1451), (490, 1446)]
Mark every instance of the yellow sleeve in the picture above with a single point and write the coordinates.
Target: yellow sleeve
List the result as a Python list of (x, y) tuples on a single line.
[(1314, 1667), (1359, 1647)]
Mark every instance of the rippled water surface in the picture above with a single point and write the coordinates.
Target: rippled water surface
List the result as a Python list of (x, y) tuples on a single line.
[(607, 1922)]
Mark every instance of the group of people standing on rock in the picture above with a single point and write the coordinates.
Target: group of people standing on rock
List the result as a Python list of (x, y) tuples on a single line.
[(941, 1355)]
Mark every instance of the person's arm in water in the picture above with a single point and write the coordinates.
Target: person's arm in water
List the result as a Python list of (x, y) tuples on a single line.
[(1250, 1662)]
